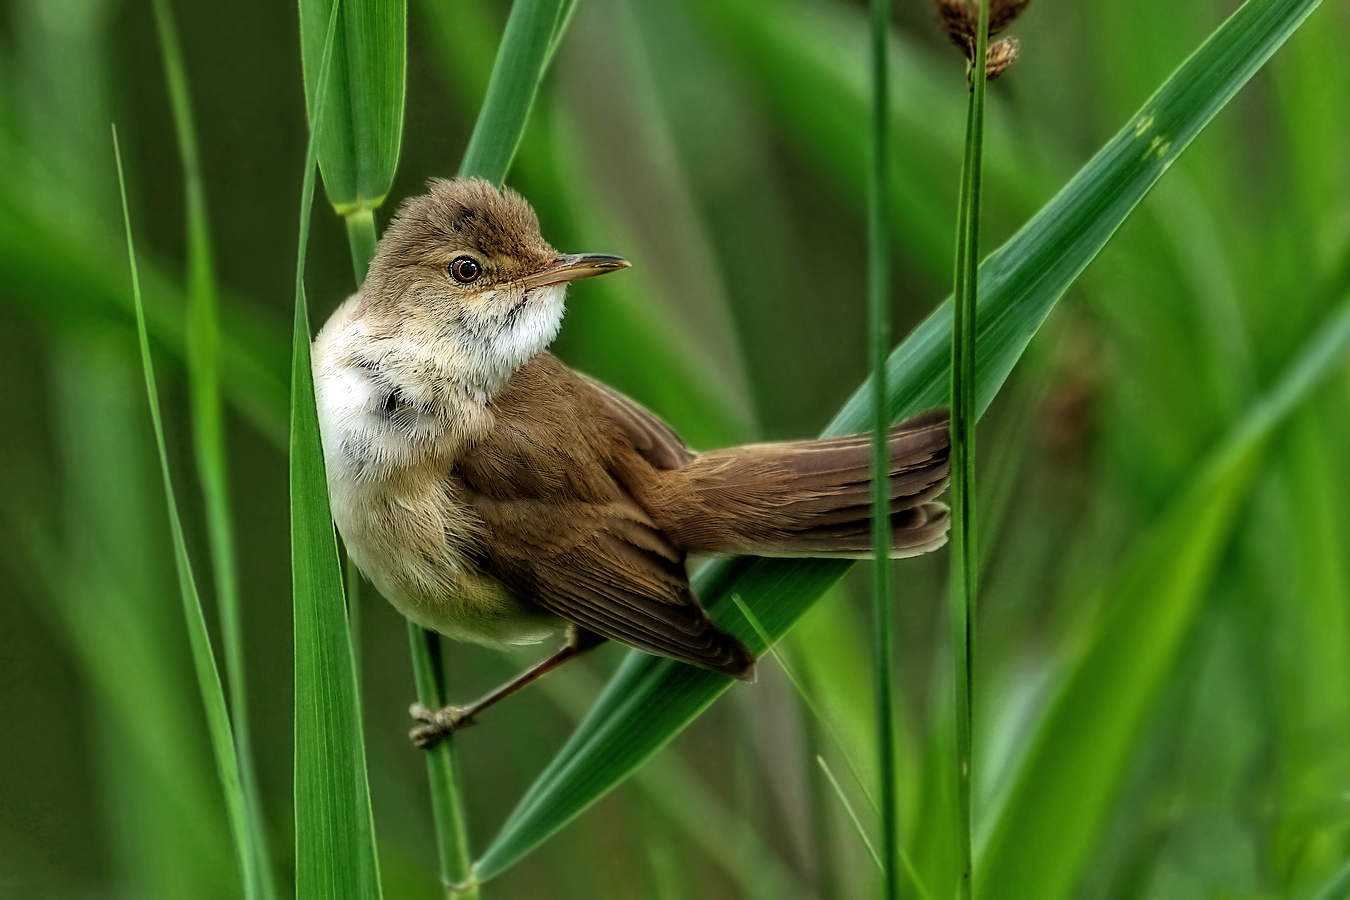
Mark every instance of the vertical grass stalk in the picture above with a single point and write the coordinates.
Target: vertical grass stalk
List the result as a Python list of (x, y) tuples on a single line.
[(203, 332), (452, 836), (204, 661), (879, 277), (964, 414)]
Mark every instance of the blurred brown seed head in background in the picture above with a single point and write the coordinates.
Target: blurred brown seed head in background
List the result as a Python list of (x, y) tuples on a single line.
[(959, 21)]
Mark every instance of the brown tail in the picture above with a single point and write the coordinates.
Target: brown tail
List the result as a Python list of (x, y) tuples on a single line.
[(810, 498)]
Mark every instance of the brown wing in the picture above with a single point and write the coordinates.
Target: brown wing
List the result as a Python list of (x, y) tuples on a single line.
[(651, 437), (563, 531)]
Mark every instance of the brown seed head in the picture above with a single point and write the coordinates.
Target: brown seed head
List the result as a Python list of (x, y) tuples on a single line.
[(1003, 12), (999, 56), (960, 22)]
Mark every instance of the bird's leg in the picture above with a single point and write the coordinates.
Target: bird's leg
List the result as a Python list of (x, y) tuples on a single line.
[(440, 722)]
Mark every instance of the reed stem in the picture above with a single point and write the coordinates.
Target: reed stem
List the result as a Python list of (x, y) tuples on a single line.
[(878, 228), (964, 414)]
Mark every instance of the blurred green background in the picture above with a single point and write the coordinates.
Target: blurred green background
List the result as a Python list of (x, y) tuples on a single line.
[(720, 145)]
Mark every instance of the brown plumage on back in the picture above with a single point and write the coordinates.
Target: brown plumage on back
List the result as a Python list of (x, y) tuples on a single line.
[(495, 495)]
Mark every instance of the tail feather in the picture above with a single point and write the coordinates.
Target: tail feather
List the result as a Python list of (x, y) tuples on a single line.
[(924, 528), (810, 498), (856, 506)]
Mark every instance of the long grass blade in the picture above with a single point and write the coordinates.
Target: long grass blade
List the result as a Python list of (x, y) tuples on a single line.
[(650, 700), (161, 799), (204, 661), (964, 559), (853, 817), (532, 30), (1064, 786), (334, 834), (203, 328), (808, 701)]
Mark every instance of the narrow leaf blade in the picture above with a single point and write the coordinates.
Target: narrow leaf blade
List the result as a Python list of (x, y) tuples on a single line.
[(360, 109), (531, 32), (203, 659)]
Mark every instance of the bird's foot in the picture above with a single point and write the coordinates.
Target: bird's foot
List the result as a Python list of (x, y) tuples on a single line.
[(437, 723)]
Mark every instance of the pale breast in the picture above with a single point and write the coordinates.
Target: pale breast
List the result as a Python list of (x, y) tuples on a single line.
[(398, 508), (415, 544)]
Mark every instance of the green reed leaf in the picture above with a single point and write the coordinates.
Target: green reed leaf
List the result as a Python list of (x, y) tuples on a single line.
[(361, 112), (527, 45)]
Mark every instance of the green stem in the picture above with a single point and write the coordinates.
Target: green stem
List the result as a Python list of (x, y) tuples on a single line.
[(351, 580), (964, 414), (361, 237), (452, 841), (880, 333)]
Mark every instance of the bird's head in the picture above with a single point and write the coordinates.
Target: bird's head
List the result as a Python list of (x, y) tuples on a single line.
[(463, 271)]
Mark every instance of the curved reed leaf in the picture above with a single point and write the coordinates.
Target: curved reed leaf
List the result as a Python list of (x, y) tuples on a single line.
[(650, 700)]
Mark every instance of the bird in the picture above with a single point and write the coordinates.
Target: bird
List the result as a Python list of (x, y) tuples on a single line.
[(494, 495)]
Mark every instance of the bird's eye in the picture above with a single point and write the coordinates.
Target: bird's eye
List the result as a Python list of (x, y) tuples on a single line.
[(465, 269)]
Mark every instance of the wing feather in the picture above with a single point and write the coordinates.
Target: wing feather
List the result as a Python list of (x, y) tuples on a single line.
[(562, 531)]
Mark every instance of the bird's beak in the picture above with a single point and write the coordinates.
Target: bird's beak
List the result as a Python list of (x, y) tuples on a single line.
[(571, 266)]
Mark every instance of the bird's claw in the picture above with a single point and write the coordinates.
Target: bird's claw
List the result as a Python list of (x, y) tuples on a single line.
[(437, 723)]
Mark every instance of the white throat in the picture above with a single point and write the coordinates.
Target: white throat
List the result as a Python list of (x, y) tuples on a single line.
[(393, 397), (484, 347)]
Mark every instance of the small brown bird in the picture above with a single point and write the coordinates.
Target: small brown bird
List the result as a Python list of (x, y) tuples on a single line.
[(494, 495)]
